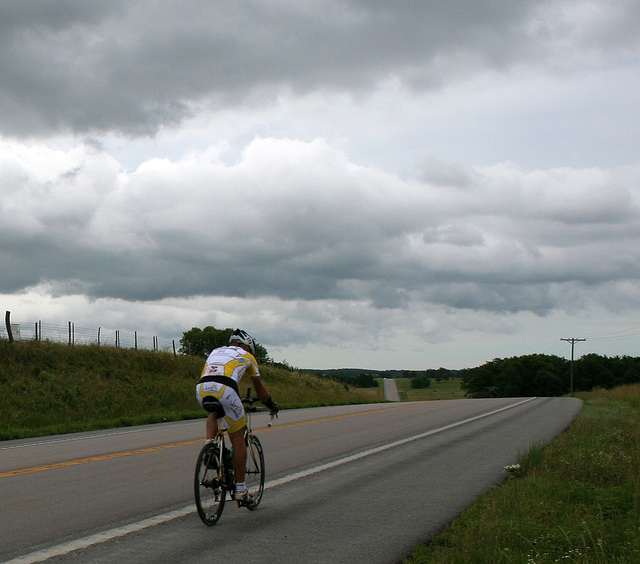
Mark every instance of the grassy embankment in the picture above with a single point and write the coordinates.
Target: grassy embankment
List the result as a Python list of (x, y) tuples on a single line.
[(575, 500), (49, 388)]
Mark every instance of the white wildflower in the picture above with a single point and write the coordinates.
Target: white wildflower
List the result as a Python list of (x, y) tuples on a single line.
[(512, 468)]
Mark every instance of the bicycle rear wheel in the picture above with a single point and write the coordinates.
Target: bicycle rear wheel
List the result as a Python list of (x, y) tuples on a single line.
[(207, 486), (255, 470)]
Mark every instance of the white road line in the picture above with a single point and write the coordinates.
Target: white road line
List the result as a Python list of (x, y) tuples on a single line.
[(86, 542), (357, 456)]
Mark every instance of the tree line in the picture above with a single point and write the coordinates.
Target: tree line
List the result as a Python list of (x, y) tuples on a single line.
[(529, 375), (548, 375)]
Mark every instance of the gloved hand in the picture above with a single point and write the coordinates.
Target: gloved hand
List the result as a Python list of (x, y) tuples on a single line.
[(272, 406)]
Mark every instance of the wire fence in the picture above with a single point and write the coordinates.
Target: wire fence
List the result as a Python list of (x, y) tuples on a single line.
[(72, 335)]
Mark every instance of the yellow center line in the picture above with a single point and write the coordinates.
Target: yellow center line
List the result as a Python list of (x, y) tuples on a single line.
[(186, 443), (335, 417), (93, 459)]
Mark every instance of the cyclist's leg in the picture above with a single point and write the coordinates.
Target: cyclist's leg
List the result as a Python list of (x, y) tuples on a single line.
[(239, 453), (212, 426), (235, 422)]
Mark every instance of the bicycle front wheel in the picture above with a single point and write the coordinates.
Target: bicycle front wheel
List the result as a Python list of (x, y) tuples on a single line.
[(255, 470), (207, 486)]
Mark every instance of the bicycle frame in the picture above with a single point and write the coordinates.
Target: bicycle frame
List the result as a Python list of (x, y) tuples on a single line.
[(225, 452), (215, 477)]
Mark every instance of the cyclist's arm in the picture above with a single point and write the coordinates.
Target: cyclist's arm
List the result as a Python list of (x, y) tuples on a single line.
[(262, 392), (264, 395)]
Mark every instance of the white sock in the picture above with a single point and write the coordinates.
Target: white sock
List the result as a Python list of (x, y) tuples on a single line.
[(240, 486)]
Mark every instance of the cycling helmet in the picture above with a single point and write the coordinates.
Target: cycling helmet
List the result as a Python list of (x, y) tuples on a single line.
[(243, 338)]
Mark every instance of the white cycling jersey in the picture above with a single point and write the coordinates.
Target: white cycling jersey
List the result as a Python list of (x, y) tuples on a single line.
[(232, 362), (223, 370)]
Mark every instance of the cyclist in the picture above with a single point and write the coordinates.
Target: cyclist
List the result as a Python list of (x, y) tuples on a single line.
[(217, 391)]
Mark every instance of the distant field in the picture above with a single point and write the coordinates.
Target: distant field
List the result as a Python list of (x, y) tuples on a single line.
[(373, 395), (444, 390)]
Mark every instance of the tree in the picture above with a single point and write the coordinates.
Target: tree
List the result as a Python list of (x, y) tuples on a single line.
[(200, 342), (532, 375), (360, 380), (365, 381), (594, 370), (420, 382), (480, 382)]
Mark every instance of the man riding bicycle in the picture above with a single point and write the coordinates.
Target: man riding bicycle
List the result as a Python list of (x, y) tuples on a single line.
[(218, 393)]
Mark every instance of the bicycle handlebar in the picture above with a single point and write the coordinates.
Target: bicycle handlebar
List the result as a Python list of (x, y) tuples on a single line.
[(250, 401)]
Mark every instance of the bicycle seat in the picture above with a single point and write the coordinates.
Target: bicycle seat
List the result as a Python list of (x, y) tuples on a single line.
[(212, 405)]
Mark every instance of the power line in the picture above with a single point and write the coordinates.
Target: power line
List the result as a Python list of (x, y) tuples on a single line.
[(629, 333)]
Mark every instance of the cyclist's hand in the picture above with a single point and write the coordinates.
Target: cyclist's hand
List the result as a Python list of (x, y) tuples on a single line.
[(273, 407)]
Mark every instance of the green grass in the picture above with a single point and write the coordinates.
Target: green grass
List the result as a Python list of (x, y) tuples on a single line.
[(576, 500), (50, 388), (446, 389)]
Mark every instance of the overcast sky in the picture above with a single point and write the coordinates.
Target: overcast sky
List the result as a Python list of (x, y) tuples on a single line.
[(358, 183)]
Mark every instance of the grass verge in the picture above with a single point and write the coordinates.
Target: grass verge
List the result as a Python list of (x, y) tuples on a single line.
[(576, 500), (51, 388)]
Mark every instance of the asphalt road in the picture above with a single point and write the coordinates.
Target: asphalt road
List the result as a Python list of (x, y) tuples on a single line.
[(345, 484), (390, 390)]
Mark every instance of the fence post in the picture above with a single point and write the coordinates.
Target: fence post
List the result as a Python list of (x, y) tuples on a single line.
[(7, 321)]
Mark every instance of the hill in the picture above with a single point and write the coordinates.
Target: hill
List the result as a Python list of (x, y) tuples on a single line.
[(48, 388)]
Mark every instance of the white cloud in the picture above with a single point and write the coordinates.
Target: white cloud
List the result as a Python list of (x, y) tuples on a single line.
[(295, 224)]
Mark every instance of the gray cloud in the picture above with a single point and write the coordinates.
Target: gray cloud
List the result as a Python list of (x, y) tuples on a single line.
[(134, 67)]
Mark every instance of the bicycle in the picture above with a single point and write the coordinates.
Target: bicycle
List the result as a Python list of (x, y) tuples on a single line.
[(215, 477)]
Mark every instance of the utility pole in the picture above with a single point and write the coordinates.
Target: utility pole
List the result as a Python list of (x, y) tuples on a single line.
[(573, 342)]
